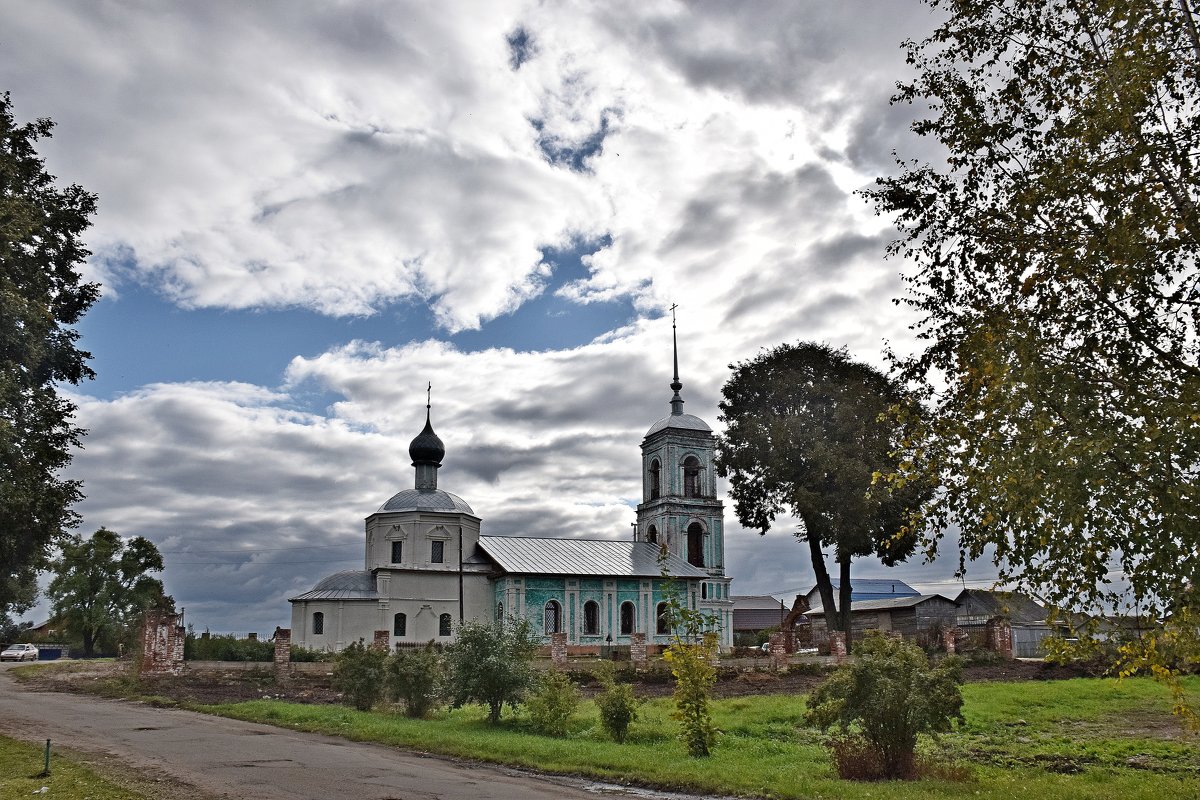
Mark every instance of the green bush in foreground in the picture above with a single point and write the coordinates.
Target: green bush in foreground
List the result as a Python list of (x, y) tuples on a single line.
[(888, 695), (616, 704), (491, 663), (416, 677), (552, 704), (359, 673)]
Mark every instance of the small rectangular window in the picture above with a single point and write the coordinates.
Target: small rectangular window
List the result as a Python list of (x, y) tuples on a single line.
[(397, 552), (437, 553)]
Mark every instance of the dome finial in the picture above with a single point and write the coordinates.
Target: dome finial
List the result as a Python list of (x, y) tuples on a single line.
[(427, 450), (676, 400)]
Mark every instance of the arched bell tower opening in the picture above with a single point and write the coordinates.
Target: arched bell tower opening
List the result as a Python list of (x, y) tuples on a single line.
[(695, 544)]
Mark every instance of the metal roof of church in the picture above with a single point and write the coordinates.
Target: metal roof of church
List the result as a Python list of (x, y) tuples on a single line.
[(584, 557), (351, 584), (426, 500), (686, 422)]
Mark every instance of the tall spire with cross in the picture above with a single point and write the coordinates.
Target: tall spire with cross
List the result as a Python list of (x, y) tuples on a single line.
[(676, 400)]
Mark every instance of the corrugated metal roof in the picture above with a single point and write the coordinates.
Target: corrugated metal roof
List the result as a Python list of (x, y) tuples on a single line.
[(755, 602), (603, 557), (351, 584), (882, 605)]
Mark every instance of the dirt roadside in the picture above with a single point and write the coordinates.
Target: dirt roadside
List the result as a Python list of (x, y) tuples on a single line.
[(205, 688)]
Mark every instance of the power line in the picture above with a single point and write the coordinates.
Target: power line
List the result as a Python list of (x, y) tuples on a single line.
[(258, 549)]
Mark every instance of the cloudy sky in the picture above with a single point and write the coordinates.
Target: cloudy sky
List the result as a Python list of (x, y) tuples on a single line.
[(309, 210)]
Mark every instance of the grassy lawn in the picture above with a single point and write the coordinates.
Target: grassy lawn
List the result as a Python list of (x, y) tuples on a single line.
[(68, 780), (1083, 738)]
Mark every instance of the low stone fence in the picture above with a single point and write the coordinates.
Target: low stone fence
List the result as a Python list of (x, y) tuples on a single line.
[(265, 667)]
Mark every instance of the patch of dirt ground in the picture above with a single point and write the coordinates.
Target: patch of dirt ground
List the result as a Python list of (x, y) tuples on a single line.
[(111, 679)]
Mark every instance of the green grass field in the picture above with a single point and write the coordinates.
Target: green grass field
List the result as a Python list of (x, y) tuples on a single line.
[(20, 763), (1083, 738)]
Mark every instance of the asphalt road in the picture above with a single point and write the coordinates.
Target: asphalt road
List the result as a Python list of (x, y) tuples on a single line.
[(224, 757)]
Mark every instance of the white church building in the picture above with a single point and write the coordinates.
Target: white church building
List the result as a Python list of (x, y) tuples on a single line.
[(428, 566)]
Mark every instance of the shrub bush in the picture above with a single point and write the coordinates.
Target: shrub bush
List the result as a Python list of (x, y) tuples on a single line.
[(889, 694), (359, 673), (551, 705), (491, 663), (416, 677), (309, 655), (617, 705), (226, 647)]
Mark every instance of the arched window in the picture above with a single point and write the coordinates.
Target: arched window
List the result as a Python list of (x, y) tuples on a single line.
[(553, 617), (695, 534), (628, 617), (652, 535), (591, 618), (662, 620), (499, 612), (400, 625), (691, 477), (655, 479), (444, 625), (318, 624)]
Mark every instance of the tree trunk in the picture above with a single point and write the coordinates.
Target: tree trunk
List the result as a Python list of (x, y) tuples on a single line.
[(844, 600), (824, 585)]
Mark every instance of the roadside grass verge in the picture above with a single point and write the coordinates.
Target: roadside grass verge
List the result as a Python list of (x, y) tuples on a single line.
[(1082, 738), (68, 780)]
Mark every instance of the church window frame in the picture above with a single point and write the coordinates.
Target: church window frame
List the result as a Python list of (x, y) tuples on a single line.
[(318, 623), (591, 618), (437, 551), (397, 551), (662, 620), (552, 617), (693, 483), (444, 623), (655, 474), (400, 624), (628, 618)]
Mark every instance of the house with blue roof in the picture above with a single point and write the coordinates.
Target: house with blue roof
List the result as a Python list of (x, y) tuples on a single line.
[(864, 589)]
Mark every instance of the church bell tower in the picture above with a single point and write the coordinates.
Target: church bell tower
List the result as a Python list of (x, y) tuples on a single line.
[(680, 510)]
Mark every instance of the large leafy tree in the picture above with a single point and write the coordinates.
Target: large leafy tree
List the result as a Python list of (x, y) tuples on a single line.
[(100, 585), (806, 431), (1054, 266), (41, 295)]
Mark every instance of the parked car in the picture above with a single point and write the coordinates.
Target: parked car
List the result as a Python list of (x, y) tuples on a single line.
[(20, 652)]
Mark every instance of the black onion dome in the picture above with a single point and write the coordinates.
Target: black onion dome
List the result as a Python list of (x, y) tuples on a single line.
[(427, 448)]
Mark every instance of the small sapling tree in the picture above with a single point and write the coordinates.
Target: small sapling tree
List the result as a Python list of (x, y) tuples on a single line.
[(617, 705), (552, 704), (416, 677), (883, 699), (690, 655), (491, 663), (359, 673)]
